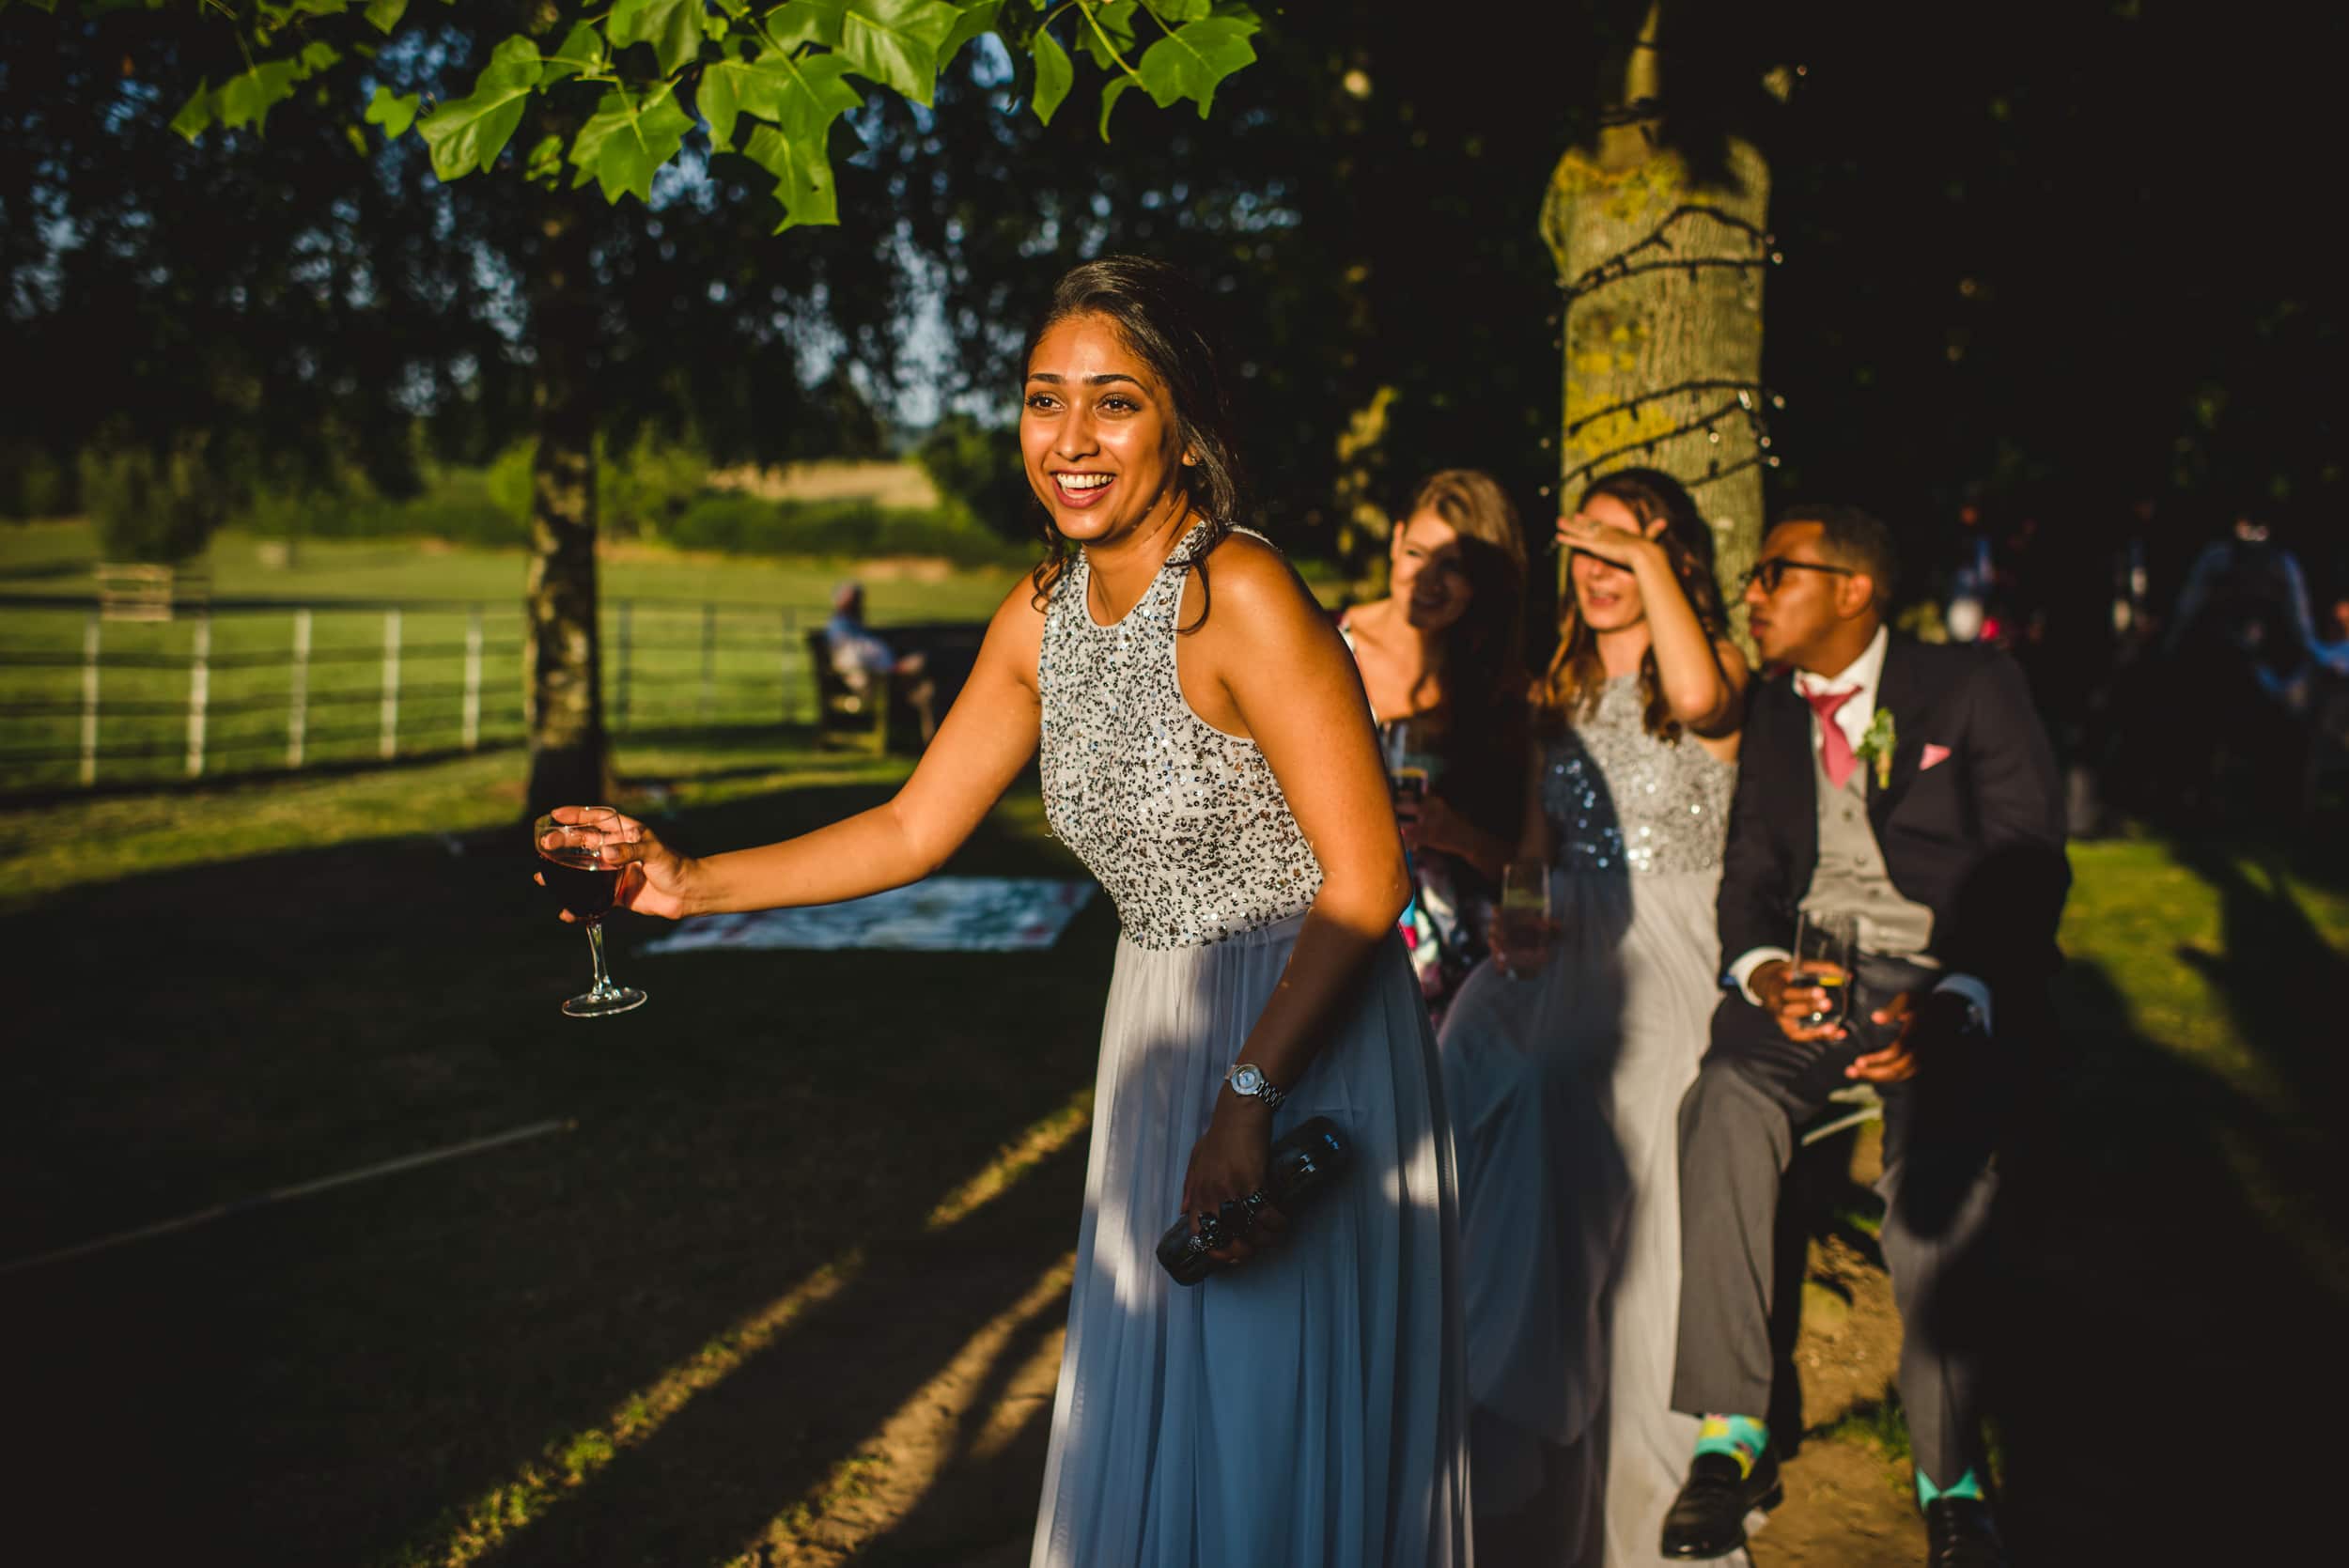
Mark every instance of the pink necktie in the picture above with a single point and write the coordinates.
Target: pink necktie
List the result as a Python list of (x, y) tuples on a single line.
[(1834, 750)]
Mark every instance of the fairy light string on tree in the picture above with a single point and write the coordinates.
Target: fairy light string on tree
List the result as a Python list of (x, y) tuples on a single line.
[(1660, 267)]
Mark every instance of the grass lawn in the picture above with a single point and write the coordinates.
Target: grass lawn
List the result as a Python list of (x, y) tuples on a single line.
[(807, 1193)]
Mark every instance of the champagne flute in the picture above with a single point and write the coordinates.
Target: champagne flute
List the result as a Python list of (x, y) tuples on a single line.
[(1409, 765), (1526, 924), (575, 873), (1824, 948)]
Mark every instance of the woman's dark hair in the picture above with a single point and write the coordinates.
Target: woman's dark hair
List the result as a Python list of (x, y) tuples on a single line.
[(1571, 688), (1165, 321)]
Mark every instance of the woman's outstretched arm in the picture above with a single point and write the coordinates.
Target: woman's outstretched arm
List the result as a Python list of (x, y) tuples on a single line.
[(987, 739)]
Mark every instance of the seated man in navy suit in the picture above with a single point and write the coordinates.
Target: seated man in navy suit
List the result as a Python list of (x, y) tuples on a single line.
[(1912, 788)]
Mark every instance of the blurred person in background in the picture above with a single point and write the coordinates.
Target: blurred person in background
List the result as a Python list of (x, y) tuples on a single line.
[(1440, 663), (2241, 654), (1564, 1064), (871, 667)]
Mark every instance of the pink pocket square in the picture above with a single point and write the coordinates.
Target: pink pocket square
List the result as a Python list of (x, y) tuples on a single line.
[(1934, 755)]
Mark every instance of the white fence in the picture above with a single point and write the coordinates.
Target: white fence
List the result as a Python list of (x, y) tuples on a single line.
[(246, 686)]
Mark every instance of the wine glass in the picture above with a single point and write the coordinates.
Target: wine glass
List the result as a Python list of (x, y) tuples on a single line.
[(1410, 767), (1525, 917), (575, 873), (1824, 948)]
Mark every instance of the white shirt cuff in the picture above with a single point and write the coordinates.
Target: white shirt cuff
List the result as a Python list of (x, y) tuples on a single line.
[(1742, 971), (1974, 991)]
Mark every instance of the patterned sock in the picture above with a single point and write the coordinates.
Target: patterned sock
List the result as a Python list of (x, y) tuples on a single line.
[(1741, 1438), (1964, 1486)]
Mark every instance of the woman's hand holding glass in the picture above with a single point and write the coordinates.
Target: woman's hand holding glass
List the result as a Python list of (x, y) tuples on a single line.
[(1427, 822), (1524, 924), (654, 879)]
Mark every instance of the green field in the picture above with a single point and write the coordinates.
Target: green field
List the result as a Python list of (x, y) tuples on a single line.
[(753, 615)]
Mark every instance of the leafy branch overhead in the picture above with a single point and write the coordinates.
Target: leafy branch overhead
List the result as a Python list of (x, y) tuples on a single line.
[(642, 80)]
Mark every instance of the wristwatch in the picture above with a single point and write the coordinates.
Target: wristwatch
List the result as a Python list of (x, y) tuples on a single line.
[(1248, 1080)]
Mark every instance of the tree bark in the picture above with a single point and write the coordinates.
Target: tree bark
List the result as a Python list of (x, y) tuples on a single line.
[(568, 751), (1662, 275)]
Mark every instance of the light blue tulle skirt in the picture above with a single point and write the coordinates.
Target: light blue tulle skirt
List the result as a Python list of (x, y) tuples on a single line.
[(1307, 1410)]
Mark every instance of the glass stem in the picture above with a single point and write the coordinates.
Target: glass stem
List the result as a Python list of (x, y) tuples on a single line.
[(594, 945)]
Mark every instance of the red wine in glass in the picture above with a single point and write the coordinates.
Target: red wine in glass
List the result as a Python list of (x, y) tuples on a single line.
[(581, 881), (571, 841)]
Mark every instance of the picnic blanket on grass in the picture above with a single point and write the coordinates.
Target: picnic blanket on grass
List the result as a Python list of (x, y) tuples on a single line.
[(941, 914)]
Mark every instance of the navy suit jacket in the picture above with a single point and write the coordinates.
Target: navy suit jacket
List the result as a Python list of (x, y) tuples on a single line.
[(1977, 838)]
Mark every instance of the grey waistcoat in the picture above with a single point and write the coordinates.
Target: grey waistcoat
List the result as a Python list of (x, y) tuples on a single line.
[(1850, 877)]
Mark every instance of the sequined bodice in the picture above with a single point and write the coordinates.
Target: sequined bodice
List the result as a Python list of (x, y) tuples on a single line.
[(1183, 824), (1619, 799)]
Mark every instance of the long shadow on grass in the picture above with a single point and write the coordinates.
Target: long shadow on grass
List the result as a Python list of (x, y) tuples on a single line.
[(2156, 1319), (317, 1381)]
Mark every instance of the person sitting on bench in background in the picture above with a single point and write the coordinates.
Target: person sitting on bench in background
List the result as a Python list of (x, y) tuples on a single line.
[(867, 664)]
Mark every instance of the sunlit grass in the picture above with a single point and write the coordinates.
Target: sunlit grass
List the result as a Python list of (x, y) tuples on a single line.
[(881, 1470), (477, 1527)]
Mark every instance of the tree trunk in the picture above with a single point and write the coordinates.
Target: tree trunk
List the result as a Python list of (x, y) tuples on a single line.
[(569, 756), (1662, 276)]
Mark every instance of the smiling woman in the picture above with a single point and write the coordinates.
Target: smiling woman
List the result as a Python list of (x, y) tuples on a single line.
[(1220, 776), (1123, 424)]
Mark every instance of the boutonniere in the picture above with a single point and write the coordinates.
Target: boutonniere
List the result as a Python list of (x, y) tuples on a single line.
[(1877, 744)]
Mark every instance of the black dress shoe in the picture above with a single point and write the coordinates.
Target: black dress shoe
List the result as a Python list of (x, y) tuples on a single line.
[(1708, 1519), (1962, 1534)]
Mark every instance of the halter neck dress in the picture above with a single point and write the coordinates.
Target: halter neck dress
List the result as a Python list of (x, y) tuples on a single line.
[(1305, 1410), (1565, 1089)]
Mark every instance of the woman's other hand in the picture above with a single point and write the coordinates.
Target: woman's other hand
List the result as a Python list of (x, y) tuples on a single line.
[(1228, 1165), (654, 879), (1433, 825)]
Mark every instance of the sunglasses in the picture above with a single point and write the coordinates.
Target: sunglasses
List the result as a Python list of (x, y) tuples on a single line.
[(1772, 572)]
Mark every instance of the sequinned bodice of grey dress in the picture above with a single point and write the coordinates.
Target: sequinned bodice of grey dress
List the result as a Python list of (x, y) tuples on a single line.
[(1621, 800), (1183, 824)]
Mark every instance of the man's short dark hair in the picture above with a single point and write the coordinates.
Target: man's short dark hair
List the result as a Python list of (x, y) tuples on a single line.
[(1854, 539)]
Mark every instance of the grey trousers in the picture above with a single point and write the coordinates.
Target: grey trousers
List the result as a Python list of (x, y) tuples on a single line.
[(1738, 1126)]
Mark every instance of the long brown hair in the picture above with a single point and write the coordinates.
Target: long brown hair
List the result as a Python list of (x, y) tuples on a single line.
[(1165, 321), (1570, 690)]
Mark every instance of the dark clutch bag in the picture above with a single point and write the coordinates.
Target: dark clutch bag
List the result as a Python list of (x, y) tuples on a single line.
[(1305, 1160)]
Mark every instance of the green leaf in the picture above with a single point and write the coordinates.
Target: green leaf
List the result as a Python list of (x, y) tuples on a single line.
[(469, 132), (629, 139), (1054, 76), (385, 14), (895, 42), (196, 112), (978, 15), (247, 98), (1114, 19), (803, 170), (1192, 59), (315, 57), (806, 22), (394, 114), (581, 50), (545, 161), (1173, 12), (672, 27), (803, 96), (1114, 90)]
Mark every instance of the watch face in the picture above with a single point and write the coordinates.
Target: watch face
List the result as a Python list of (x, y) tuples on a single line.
[(1248, 1080)]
